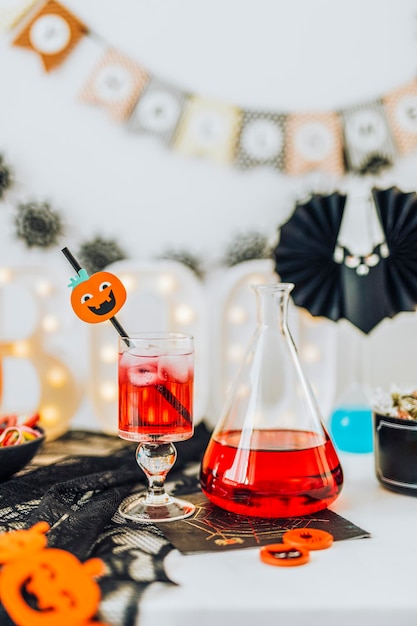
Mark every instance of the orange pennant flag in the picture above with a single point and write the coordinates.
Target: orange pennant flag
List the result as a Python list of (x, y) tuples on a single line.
[(314, 142), (401, 111), (53, 32), (116, 84)]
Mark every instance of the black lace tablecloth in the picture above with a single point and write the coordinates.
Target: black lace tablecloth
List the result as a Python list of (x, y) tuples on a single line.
[(76, 484)]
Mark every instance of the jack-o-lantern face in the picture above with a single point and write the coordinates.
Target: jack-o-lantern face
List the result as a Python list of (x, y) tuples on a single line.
[(98, 298)]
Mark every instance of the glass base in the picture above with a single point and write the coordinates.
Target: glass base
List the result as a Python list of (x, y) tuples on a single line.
[(138, 508)]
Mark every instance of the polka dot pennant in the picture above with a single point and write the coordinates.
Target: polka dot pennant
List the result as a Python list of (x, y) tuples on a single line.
[(13, 12), (208, 128), (367, 138), (115, 84), (314, 141), (261, 140), (401, 111), (53, 32), (158, 111)]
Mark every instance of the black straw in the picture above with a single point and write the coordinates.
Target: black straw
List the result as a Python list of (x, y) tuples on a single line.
[(123, 334)]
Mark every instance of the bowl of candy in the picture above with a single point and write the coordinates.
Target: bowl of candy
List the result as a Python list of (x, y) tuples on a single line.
[(395, 440), (20, 440)]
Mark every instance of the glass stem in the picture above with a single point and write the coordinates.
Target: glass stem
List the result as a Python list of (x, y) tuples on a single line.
[(156, 460)]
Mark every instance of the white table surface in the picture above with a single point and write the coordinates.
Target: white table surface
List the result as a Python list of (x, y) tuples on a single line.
[(358, 582)]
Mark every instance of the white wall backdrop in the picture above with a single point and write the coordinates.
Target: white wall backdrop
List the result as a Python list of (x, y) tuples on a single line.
[(266, 54)]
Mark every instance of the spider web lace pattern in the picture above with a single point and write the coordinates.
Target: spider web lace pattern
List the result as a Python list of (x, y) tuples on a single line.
[(78, 495)]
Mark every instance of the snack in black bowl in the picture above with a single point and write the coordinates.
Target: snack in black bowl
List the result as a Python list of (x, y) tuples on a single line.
[(19, 442), (395, 441)]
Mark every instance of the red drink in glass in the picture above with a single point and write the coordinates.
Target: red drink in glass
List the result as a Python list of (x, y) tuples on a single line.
[(155, 397)]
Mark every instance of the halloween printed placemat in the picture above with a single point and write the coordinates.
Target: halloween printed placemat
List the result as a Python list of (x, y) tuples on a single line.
[(212, 529)]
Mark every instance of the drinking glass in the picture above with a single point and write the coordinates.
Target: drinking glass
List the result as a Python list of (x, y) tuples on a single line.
[(156, 379)]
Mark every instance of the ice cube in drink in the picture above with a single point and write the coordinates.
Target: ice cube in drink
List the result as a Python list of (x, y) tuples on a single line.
[(155, 397)]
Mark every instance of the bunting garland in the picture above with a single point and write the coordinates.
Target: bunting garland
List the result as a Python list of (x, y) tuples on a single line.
[(363, 139)]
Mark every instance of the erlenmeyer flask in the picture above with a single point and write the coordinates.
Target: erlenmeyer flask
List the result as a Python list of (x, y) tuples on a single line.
[(270, 455)]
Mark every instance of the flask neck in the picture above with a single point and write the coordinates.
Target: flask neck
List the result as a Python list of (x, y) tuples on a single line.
[(272, 304)]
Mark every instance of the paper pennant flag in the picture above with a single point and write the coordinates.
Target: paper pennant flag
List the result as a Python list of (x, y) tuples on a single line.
[(401, 111), (368, 141), (261, 140), (314, 141), (53, 32), (208, 128), (158, 111), (115, 83), (13, 12)]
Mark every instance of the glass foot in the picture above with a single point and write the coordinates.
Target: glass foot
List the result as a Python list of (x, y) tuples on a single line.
[(137, 508)]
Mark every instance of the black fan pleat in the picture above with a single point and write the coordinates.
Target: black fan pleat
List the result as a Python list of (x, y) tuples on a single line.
[(304, 255)]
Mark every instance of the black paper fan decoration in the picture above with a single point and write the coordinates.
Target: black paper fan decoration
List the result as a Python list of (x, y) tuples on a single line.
[(332, 282), (38, 225)]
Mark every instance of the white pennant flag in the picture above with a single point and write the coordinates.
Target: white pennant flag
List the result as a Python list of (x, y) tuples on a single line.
[(158, 110)]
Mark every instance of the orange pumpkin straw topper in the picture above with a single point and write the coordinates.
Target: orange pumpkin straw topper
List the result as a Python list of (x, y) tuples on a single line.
[(98, 297), (63, 588)]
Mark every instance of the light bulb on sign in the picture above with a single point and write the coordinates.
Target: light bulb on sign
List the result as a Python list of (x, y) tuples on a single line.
[(237, 315), (5, 275), (243, 391), (108, 392), (310, 354), (43, 288), (56, 376), (129, 282), (49, 414), (235, 353), (108, 354), (256, 279), (50, 323), (184, 314), (166, 283), (21, 349)]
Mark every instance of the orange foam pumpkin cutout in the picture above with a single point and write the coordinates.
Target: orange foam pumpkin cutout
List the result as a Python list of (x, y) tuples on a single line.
[(62, 586), (16, 543), (98, 297)]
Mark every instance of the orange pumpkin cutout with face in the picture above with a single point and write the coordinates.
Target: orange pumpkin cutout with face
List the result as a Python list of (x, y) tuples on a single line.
[(98, 297), (63, 588)]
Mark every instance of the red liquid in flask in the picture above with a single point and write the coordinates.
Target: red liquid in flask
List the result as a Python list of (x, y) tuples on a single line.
[(284, 473)]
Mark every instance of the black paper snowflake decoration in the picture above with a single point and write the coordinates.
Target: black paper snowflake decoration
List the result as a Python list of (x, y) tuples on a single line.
[(38, 225), (247, 246), (186, 258), (98, 253), (6, 177)]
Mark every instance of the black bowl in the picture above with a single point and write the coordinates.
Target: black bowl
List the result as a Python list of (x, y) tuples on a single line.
[(14, 458), (395, 448)]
